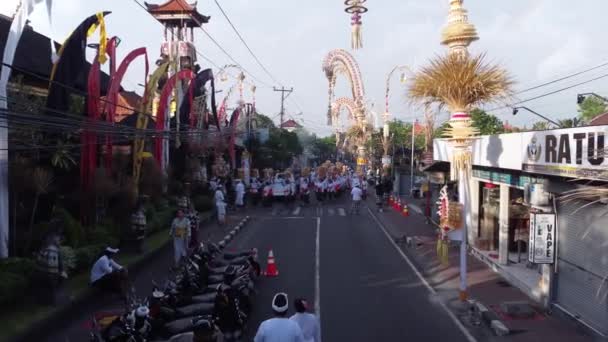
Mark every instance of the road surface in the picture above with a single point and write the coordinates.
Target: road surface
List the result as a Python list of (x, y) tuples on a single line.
[(344, 265)]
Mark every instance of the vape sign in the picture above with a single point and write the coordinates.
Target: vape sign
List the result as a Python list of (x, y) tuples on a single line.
[(541, 249)]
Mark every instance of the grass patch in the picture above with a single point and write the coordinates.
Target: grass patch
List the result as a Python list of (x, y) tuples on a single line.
[(19, 318)]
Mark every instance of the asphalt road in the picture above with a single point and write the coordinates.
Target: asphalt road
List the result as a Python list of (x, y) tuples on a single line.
[(343, 264), (367, 290)]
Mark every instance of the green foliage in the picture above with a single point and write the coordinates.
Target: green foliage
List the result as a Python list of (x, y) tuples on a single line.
[(278, 151), (86, 256), (569, 123), (68, 256), (540, 126), (203, 203), (13, 288), (161, 220), (23, 266), (401, 133), (107, 235), (263, 121), (591, 107), (16, 275), (72, 229), (324, 148), (487, 124)]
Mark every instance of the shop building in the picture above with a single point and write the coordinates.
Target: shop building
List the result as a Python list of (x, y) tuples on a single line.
[(553, 248)]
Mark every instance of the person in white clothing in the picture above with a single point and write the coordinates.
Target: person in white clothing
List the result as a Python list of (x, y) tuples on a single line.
[(356, 194), (220, 205), (308, 322), (240, 194), (279, 328), (108, 275)]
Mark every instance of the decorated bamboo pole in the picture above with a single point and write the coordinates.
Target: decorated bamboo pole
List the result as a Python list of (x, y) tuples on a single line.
[(460, 82)]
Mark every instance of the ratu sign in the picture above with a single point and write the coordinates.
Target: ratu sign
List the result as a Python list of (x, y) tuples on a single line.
[(575, 152)]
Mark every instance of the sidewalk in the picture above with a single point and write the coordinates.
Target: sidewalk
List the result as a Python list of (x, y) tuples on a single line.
[(484, 285), (71, 323)]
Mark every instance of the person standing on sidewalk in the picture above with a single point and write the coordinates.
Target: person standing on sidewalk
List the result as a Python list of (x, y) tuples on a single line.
[(308, 322), (240, 194), (180, 232), (356, 194), (220, 205), (279, 328)]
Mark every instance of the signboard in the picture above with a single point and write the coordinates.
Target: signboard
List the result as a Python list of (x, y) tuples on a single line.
[(574, 152), (541, 249), (361, 161), (386, 161)]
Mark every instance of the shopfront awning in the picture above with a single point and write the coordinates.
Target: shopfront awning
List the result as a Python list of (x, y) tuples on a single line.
[(438, 166)]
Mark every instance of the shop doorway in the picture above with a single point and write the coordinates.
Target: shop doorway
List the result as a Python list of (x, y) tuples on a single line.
[(519, 227), (489, 205)]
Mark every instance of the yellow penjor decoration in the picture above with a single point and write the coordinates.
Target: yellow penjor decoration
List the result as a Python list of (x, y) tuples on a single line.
[(103, 40), (142, 123)]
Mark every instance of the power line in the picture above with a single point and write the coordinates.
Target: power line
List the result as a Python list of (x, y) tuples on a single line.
[(562, 78), (549, 93), (246, 45)]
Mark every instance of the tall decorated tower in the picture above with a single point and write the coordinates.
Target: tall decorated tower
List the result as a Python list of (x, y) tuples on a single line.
[(458, 34), (179, 19)]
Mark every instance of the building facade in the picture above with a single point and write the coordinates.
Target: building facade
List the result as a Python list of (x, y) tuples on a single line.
[(539, 219)]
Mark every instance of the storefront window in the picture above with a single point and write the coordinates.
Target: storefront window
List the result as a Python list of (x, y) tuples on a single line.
[(488, 217)]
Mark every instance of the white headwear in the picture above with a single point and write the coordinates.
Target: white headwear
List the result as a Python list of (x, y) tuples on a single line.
[(112, 250), (283, 306)]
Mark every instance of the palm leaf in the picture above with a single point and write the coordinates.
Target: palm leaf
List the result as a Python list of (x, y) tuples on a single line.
[(460, 82)]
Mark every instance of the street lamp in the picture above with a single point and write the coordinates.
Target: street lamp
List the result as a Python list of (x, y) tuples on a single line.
[(516, 110), (580, 98), (386, 116)]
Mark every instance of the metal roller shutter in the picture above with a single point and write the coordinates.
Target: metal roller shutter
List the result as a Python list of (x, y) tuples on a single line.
[(582, 255)]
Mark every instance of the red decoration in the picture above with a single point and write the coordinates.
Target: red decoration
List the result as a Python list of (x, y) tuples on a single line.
[(186, 74)]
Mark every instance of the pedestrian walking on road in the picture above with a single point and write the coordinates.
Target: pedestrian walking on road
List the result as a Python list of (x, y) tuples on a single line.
[(309, 323), (356, 194), (279, 328), (180, 232)]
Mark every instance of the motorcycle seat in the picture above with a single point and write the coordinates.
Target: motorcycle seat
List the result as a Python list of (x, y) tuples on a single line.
[(205, 298), (195, 309)]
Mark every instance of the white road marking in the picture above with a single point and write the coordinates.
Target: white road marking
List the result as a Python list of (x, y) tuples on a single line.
[(317, 273), (341, 211), (330, 211), (455, 319), (296, 211)]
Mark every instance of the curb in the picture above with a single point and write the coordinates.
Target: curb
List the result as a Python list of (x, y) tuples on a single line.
[(490, 318), (38, 330)]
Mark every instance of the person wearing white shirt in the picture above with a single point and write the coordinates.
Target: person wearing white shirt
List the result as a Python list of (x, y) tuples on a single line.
[(356, 194), (279, 328), (240, 194), (308, 322), (220, 204), (107, 274)]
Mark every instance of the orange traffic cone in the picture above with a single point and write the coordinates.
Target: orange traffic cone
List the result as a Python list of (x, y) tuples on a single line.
[(406, 211), (271, 267), (398, 204), (390, 200)]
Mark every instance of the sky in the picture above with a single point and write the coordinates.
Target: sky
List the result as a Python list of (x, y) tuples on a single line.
[(536, 41)]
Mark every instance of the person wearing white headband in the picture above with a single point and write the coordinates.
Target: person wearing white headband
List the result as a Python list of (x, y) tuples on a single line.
[(279, 328), (108, 275)]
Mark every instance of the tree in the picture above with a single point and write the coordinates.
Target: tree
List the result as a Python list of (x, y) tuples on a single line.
[(569, 123), (487, 124), (540, 126), (591, 107)]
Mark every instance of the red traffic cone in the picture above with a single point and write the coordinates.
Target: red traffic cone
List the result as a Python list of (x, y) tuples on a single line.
[(271, 267), (406, 211)]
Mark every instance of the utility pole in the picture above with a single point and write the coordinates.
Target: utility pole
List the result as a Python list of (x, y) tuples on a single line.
[(283, 97)]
